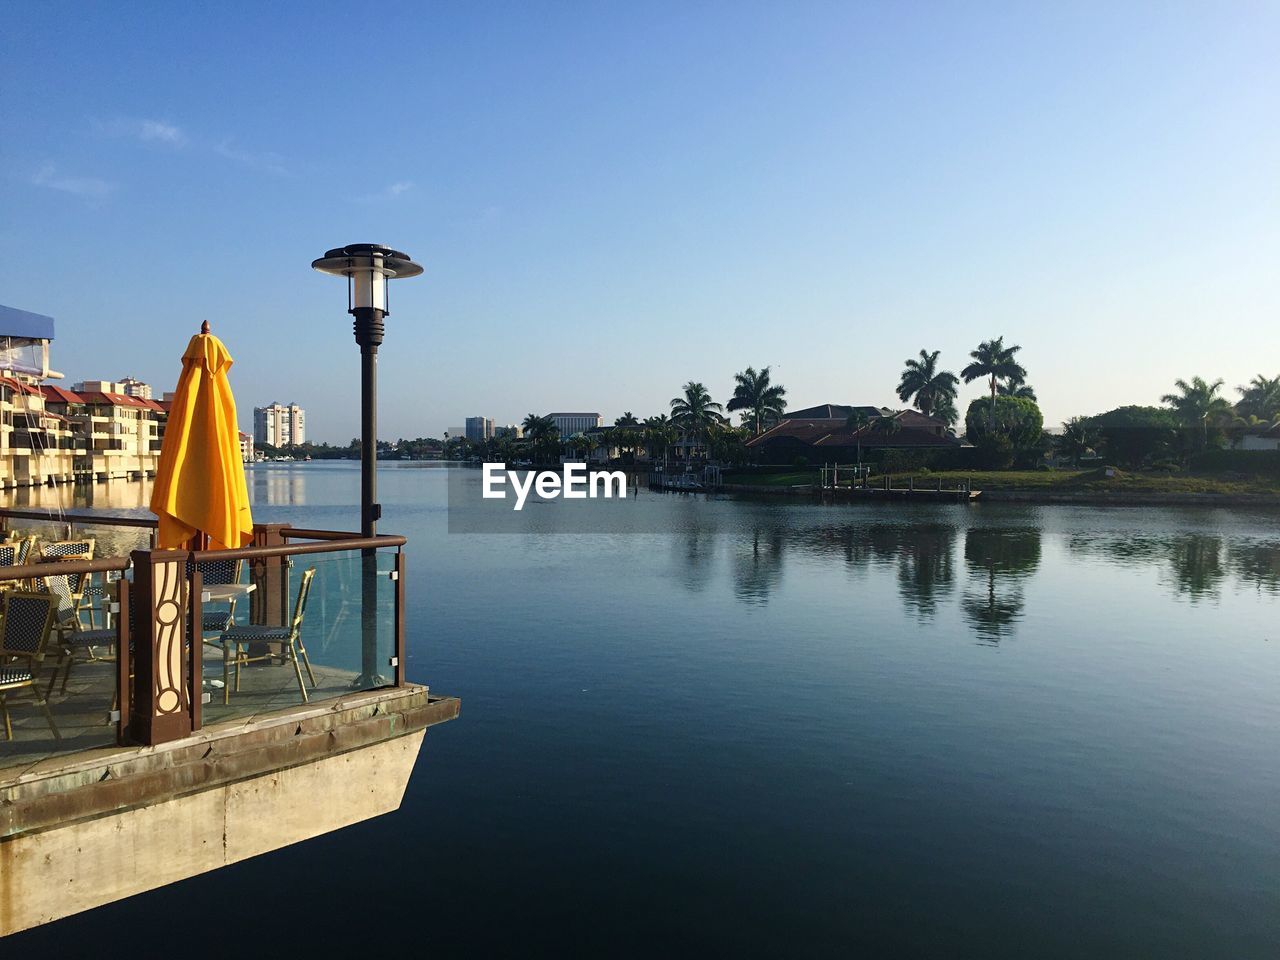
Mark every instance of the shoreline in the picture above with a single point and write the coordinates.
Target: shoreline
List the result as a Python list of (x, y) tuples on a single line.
[(1072, 497)]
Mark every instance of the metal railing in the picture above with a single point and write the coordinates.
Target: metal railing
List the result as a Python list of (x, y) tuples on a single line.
[(160, 686)]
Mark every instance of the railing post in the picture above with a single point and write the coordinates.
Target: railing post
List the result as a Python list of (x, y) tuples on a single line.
[(161, 704), (196, 634), (399, 670), (269, 602), (123, 662)]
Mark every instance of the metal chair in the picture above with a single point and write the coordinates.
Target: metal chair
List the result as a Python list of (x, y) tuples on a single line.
[(72, 635), (235, 639), (81, 549), (24, 635), (218, 573)]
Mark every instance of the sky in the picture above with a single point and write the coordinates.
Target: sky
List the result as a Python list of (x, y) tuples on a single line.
[(611, 199)]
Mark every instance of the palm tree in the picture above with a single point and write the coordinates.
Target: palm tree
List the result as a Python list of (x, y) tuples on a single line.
[(1261, 398), (694, 412), (886, 426), (542, 433), (923, 380), (628, 419), (758, 397), (1197, 402), (994, 360), (857, 422), (944, 409), (1016, 387), (1078, 437), (658, 434)]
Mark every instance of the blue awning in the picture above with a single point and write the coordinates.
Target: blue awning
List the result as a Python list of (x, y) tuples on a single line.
[(25, 324)]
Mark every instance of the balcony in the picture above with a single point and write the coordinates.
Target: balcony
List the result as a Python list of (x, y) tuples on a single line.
[(185, 676)]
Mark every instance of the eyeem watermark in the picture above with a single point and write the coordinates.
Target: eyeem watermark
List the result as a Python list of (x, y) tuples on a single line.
[(573, 482)]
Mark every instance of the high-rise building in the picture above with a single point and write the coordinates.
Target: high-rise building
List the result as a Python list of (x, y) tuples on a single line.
[(479, 428), (134, 387), (279, 425), (572, 423), (511, 431)]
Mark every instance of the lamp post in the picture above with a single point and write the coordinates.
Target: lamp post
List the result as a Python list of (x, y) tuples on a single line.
[(368, 267)]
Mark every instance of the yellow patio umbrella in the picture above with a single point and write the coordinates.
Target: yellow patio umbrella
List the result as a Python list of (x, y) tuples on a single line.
[(200, 494)]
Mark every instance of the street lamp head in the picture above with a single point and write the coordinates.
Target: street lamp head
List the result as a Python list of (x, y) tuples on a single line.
[(367, 267)]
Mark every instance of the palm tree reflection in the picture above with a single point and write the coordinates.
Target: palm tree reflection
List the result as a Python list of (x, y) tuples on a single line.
[(757, 563), (999, 558)]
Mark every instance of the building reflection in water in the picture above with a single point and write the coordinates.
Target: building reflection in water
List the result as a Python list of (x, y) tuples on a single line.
[(999, 559), (278, 486)]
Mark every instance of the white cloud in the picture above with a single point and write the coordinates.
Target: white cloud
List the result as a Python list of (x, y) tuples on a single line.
[(389, 192), (268, 162), (91, 188), (148, 131)]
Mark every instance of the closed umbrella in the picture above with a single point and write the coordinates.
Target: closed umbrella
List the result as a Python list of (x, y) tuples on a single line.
[(200, 495)]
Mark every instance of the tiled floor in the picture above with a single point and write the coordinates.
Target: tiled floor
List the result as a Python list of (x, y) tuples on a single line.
[(82, 714)]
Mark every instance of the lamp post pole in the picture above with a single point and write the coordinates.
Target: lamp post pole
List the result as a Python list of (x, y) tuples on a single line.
[(368, 267)]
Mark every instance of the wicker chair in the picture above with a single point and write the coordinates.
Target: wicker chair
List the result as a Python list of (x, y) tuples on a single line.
[(24, 635), (72, 636), (236, 639)]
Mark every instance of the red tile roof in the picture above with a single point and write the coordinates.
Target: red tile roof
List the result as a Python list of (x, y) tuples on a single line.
[(54, 394), (119, 400), (832, 432)]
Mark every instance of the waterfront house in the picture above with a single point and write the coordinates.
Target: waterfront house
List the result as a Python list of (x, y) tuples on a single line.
[(828, 439), (1262, 437)]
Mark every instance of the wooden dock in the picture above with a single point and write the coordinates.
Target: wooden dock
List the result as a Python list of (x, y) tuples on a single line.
[(891, 487)]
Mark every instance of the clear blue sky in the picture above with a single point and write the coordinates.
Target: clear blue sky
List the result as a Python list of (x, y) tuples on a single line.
[(612, 199)]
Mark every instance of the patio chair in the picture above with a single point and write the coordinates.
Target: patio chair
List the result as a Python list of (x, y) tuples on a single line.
[(72, 635), (24, 545), (236, 639), (96, 590), (81, 549), (24, 635), (218, 573)]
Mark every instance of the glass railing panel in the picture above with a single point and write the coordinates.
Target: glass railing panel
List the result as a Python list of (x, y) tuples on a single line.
[(58, 682), (298, 652)]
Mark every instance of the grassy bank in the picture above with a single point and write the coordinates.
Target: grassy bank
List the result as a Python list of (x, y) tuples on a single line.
[(1050, 481)]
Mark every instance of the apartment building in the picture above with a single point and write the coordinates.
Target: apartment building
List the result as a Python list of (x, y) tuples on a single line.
[(279, 425), (570, 424), (479, 429)]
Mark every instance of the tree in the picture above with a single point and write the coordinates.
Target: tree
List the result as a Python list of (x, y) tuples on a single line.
[(695, 412), (1079, 436), (1133, 435), (927, 384), (755, 394), (543, 436), (995, 361), (858, 422), (628, 419), (1016, 387), (659, 433), (1197, 403), (1011, 424), (944, 409), (886, 426), (1261, 398)]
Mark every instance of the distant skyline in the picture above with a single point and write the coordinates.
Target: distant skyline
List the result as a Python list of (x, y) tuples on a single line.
[(613, 199)]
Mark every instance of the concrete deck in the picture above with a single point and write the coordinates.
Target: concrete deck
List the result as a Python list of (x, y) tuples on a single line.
[(82, 830), (83, 712)]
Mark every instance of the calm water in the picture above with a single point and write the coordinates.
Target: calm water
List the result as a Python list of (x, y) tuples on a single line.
[(787, 729)]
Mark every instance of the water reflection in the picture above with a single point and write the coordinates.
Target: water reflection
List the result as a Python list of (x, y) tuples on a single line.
[(757, 563), (277, 486), (1196, 565), (999, 559)]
